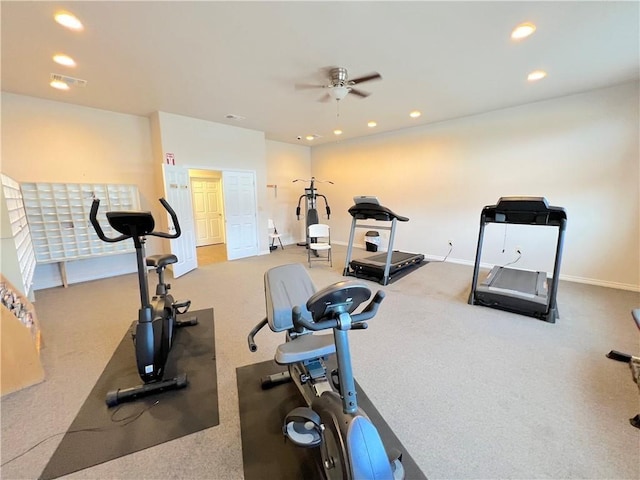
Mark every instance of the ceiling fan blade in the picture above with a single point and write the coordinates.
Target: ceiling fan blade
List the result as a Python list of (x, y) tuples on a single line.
[(359, 93), (307, 86), (325, 98), (366, 78)]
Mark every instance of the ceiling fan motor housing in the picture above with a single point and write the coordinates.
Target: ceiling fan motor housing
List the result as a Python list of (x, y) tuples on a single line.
[(338, 77)]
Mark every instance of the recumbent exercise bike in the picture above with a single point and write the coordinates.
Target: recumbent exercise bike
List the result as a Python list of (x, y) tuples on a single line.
[(350, 445), (157, 318)]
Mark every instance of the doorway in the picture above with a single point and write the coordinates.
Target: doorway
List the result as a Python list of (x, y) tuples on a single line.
[(208, 214)]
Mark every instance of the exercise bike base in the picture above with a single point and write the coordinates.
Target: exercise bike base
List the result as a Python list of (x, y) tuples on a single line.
[(116, 397)]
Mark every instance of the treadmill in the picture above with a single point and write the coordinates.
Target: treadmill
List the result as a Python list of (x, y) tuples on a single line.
[(520, 291), (383, 268)]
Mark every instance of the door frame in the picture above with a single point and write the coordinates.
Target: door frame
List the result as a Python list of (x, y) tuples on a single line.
[(224, 206)]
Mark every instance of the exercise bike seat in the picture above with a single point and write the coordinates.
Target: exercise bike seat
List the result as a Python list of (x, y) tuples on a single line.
[(161, 261), (305, 347)]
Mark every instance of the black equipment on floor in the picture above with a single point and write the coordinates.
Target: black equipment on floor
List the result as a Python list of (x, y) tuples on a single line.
[(520, 291), (383, 268), (633, 361), (311, 205), (157, 322), (349, 443)]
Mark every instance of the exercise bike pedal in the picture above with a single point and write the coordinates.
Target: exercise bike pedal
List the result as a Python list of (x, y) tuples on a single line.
[(181, 306), (275, 379), (189, 322), (302, 426)]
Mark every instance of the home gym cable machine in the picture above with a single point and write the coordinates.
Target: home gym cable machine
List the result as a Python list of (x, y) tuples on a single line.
[(520, 291), (383, 268), (311, 205)]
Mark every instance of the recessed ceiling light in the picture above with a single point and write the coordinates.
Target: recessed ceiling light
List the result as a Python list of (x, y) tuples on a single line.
[(59, 84), (337, 131), (310, 137), (65, 60), (415, 114), (536, 75), (371, 124), (523, 31), (68, 20)]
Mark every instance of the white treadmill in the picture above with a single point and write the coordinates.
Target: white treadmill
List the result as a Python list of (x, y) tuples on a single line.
[(520, 291)]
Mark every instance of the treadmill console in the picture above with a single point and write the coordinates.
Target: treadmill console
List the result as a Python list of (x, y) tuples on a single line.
[(524, 211)]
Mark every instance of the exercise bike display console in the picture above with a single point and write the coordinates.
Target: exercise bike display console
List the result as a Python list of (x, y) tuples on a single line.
[(520, 291), (157, 318), (350, 445), (383, 268)]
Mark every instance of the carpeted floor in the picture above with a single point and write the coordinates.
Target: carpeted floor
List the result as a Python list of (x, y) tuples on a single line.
[(470, 392)]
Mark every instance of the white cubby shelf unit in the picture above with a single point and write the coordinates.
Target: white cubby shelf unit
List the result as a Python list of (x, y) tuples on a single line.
[(58, 215), (18, 259)]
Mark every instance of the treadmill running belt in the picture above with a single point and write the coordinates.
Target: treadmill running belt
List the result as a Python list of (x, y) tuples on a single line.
[(398, 259), (510, 279)]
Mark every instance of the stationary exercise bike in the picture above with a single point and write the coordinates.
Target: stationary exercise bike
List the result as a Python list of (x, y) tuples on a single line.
[(157, 318), (350, 445), (633, 361)]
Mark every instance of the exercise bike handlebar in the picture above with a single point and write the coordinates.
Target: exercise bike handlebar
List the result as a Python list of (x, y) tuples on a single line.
[(174, 219), (93, 217), (357, 320)]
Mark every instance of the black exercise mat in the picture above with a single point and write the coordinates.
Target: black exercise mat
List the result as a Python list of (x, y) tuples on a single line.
[(265, 453), (99, 434)]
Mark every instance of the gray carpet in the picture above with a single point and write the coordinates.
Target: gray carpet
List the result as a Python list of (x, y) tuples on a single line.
[(99, 434)]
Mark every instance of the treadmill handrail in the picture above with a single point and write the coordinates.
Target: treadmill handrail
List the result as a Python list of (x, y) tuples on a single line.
[(364, 211)]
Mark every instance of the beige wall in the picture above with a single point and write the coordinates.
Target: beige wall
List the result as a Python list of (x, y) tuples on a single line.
[(579, 151), (285, 163), (45, 141)]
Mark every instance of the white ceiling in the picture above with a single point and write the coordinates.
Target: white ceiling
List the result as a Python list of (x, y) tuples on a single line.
[(209, 59)]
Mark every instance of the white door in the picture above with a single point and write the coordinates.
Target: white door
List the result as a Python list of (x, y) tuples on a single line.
[(178, 194), (207, 210), (240, 214)]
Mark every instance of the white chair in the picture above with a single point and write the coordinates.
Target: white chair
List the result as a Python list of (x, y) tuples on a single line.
[(319, 236), (273, 236)]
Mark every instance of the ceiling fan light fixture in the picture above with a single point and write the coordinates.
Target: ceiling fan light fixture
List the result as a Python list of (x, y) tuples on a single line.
[(338, 92)]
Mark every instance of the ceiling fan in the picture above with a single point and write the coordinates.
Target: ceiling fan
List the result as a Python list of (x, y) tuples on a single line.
[(340, 84)]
